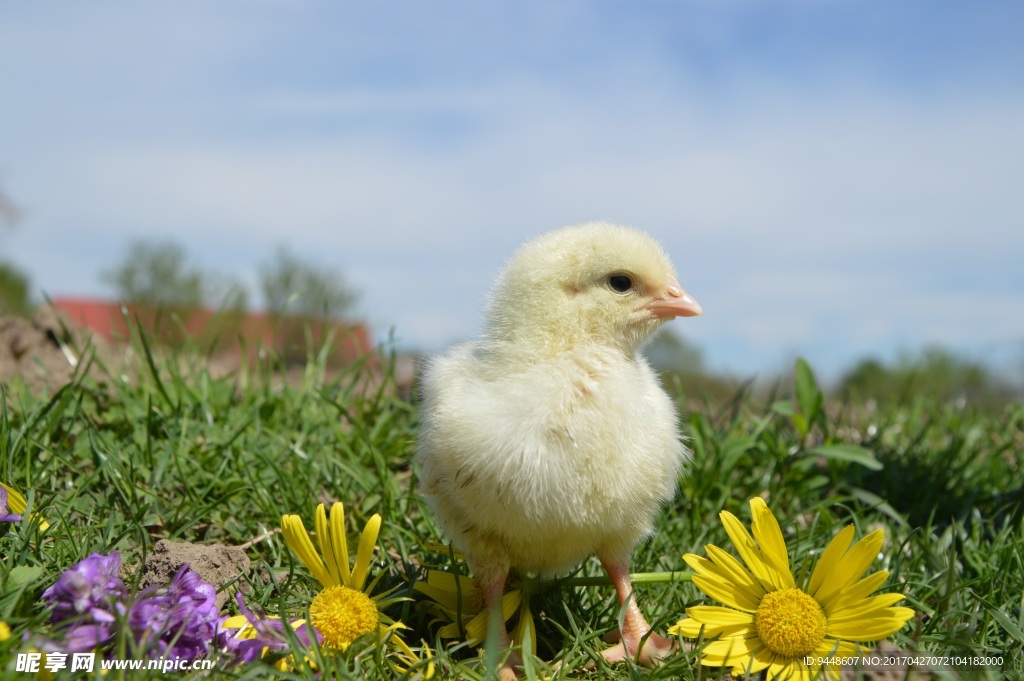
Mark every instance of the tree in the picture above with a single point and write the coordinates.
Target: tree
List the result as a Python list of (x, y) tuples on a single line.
[(304, 299), (156, 274), (164, 292), (14, 291), (293, 287), (14, 284), (936, 372), (668, 352)]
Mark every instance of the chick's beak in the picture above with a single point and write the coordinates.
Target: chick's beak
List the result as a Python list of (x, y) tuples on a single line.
[(673, 301)]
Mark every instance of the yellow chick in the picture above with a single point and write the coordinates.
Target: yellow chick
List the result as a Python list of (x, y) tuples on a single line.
[(550, 439)]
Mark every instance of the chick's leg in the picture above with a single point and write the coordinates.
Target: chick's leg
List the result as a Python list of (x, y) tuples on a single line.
[(634, 626), (493, 590)]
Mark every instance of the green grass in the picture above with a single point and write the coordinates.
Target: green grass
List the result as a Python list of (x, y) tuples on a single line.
[(178, 454)]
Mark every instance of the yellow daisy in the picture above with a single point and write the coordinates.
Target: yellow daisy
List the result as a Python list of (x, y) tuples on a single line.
[(459, 600), (16, 503), (408, 660), (345, 609), (251, 636), (771, 623)]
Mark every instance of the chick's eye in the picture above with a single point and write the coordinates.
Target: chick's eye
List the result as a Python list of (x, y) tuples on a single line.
[(620, 283)]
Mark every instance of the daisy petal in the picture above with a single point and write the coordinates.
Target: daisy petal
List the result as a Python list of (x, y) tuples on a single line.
[(327, 544), (454, 583), (729, 651), (449, 592), (761, 659), (715, 615), (866, 607), (15, 500), (789, 669), (234, 622), (830, 559), (857, 593), (849, 569), (698, 564), (731, 570), (447, 600), (773, 545), (719, 622), (748, 550), (686, 627), (746, 669), (723, 576), (476, 630), (451, 630), (871, 628), (726, 593), (367, 542), (297, 538), (830, 647), (525, 631), (339, 540)]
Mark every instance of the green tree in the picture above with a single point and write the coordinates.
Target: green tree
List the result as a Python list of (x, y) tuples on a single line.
[(156, 274), (293, 287), (225, 293), (936, 372), (668, 352), (14, 291), (682, 367), (14, 284), (164, 291), (307, 301)]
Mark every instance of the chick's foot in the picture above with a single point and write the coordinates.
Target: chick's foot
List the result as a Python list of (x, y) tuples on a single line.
[(655, 648), (634, 626), (510, 670)]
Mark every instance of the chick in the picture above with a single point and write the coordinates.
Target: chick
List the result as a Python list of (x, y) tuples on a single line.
[(550, 439)]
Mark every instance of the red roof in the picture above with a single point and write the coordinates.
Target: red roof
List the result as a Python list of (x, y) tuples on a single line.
[(231, 331)]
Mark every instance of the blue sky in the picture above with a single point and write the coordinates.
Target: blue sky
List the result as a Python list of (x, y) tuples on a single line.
[(833, 178)]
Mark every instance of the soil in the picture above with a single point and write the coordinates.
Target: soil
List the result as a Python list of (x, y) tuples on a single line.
[(30, 348), (44, 352), (214, 563)]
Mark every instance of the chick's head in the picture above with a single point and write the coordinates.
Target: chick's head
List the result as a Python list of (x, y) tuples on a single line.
[(590, 283)]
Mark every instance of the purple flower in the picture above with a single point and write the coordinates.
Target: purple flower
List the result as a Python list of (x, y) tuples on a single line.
[(178, 620), (269, 635), (87, 601), (90, 604), (6, 517)]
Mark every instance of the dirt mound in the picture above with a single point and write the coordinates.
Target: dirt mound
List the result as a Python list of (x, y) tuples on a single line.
[(216, 564), (47, 350), (33, 349)]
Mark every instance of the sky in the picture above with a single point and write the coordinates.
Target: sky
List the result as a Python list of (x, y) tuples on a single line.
[(834, 179)]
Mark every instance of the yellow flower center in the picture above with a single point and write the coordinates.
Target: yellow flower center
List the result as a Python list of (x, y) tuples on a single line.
[(342, 615), (790, 622)]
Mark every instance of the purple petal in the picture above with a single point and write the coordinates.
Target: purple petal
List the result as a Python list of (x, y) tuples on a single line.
[(180, 617), (89, 601), (83, 638), (270, 634), (90, 587)]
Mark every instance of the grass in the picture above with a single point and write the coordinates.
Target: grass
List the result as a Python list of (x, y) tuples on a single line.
[(115, 464)]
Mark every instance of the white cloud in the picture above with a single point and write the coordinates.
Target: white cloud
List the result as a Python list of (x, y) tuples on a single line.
[(787, 209)]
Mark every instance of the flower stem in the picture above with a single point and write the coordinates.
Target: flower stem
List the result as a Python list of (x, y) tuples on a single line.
[(636, 578)]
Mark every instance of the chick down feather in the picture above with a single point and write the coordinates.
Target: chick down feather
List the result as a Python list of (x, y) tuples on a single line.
[(550, 438)]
